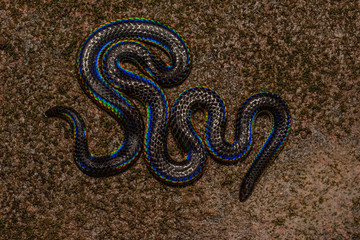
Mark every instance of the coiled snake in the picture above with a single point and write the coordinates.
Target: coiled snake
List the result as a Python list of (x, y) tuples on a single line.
[(104, 78)]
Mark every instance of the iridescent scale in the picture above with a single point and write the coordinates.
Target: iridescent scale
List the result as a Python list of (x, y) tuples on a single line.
[(105, 78)]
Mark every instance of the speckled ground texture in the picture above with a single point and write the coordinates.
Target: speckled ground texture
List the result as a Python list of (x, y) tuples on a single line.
[(307, 52)]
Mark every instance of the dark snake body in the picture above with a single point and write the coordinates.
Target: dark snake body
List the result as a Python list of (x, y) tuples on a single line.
[(104, 79)]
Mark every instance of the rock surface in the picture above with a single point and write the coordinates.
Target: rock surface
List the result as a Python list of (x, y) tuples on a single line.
[(307, 52)]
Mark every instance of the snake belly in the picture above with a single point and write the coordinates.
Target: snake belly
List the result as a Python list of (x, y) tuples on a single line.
[(104, 77)]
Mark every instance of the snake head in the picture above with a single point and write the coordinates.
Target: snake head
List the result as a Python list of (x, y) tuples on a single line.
[(246, 189)]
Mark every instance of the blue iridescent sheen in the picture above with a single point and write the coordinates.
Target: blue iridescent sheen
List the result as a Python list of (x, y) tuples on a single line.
[(108, 82)]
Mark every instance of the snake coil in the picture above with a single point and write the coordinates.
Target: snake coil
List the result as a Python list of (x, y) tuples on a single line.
[(105, 79)]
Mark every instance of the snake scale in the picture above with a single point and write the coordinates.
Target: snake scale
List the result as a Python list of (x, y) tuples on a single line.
[(106, 80)]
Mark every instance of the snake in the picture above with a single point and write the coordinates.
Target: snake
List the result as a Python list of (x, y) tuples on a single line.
[(107, 79)]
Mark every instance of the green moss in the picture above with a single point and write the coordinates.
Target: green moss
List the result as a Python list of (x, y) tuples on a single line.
[(279, 222), (3, 228), (228, 180), (315, 107)]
